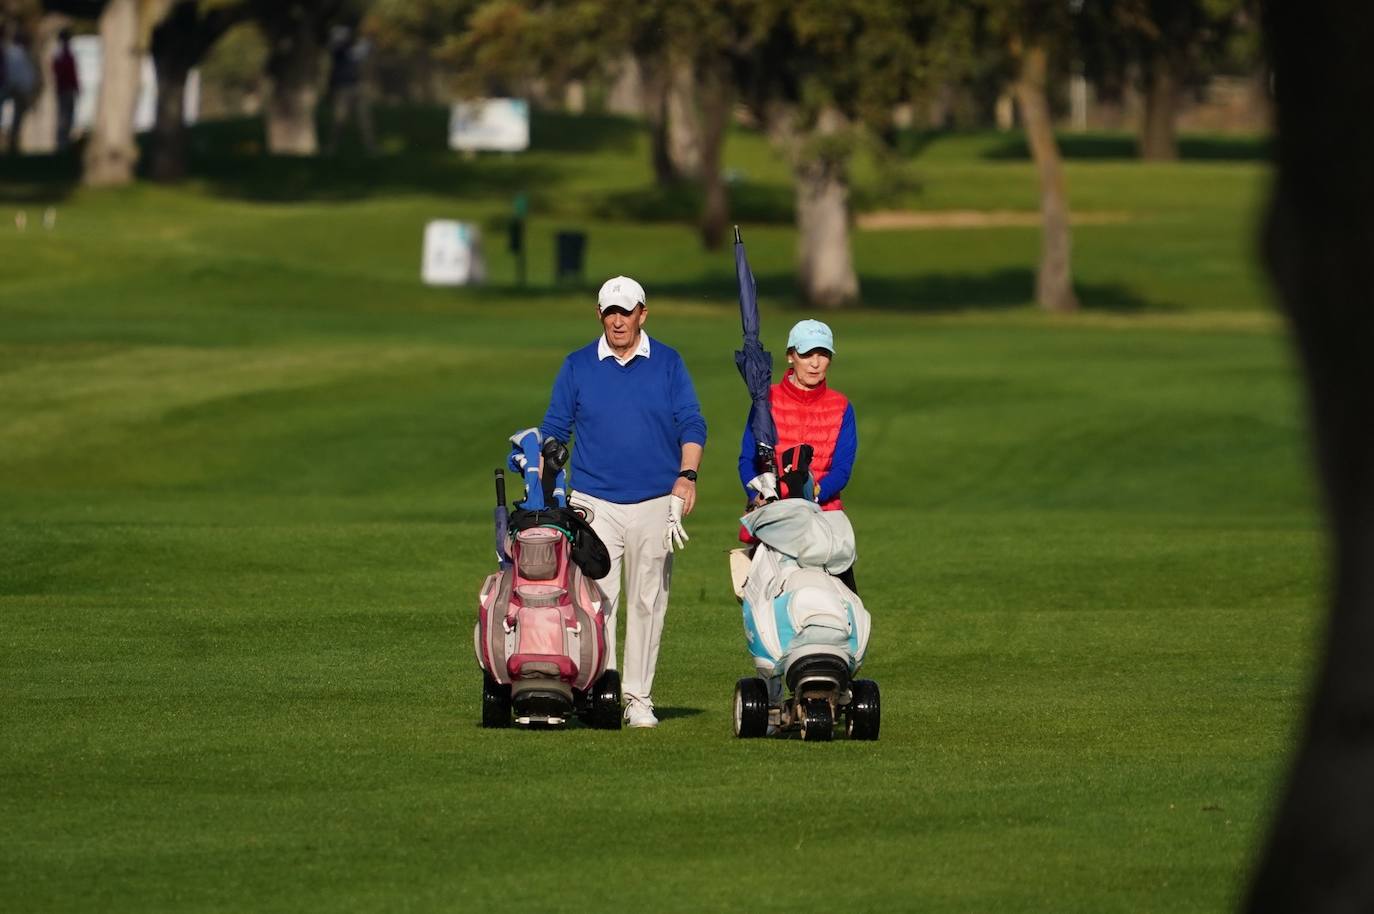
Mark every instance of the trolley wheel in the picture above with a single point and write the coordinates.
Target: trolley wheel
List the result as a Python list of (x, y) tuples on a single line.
[(817, 723), (495, 703), (751, 708), (865, 710), (605, 714)]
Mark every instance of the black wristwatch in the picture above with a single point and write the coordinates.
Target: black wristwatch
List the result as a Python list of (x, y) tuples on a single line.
[(689, 475)]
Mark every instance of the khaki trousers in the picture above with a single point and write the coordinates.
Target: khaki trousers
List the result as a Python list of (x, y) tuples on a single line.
[(633, 535)]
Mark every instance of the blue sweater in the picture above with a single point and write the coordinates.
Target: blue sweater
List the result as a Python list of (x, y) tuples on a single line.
[(627, 422)]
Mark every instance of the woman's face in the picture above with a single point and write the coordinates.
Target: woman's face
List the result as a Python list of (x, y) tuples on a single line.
[(809, 369)]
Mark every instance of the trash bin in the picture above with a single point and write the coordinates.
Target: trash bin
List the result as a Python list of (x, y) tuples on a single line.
[(570, 248)]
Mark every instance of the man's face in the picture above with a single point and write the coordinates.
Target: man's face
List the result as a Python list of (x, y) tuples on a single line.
[(621, 326)]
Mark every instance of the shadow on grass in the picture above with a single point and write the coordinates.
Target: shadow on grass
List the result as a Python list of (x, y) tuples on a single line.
[(39, 178), (929, 293), (675, 713), (1124, 146), (347, 176), (769, 204), (229, 158)]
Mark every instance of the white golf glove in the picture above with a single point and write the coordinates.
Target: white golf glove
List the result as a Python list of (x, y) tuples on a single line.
[(675, 538), (766, 484)]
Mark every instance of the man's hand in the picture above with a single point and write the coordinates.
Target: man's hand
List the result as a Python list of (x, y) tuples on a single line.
[(686, 490), (674, 537)]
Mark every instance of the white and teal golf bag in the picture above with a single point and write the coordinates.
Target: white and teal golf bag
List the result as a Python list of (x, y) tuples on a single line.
[(797, 615)]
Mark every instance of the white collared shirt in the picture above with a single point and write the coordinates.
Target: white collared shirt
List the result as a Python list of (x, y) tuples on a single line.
[(603, 349)]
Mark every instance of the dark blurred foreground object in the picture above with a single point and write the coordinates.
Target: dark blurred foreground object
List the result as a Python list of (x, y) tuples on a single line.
[(569, 250), (1318, 241)]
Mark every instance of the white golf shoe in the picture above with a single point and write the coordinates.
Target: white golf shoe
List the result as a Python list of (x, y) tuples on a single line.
[(638, 714)]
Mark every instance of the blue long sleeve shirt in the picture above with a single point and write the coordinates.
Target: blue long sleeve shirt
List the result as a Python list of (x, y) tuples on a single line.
[(627, 423)]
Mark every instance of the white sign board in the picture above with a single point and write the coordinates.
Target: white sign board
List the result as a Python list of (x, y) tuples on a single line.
[(501, 124), (453, 254), (86, 51)]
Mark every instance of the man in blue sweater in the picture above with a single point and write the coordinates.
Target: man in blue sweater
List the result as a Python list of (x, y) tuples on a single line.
[(628, 405)]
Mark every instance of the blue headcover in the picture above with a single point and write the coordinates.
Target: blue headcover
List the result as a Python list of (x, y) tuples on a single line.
[(524, 459)]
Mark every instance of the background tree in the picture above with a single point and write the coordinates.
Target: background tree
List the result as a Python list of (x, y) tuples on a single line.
[(125, 30), (1036, 33), (296, 32), (685, 52), (689, 52), (822, 76), (1169, 46), (410, 35), (178, 44)]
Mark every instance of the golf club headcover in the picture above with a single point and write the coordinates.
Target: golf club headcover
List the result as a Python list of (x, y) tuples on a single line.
[(524, 459), (555, 454), (794, 473)]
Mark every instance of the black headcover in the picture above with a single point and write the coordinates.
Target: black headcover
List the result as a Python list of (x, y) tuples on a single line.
[(586, 551), (794, 472), (555, 455)]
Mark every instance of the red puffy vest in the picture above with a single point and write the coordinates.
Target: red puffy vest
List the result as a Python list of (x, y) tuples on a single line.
[(809, 417)]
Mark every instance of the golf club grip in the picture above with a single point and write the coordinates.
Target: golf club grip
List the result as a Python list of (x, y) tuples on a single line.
[(500, 488)]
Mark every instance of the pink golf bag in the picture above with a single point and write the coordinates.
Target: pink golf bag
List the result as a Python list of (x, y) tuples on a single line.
[(540, 638)]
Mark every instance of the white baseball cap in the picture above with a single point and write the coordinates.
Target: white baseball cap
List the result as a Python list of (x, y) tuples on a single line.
[(620, 292)]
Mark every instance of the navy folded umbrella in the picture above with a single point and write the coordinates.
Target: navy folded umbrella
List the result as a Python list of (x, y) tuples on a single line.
[(755, 363)]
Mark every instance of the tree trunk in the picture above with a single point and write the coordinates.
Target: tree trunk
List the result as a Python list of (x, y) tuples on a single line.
[(179, 43), (716, 97), (654, 74), (169, 131), (110, 151), (1158, 138), (684, 122), (293, 66), (1320, 231), (1054, 278), (626, 95), (825, 268)]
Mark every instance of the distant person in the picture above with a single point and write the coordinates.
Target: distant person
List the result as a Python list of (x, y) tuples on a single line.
[(21, 83), (806, 410), (348, 91), (67, 86)]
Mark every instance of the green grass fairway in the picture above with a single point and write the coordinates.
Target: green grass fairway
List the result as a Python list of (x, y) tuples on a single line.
[(245, 507)]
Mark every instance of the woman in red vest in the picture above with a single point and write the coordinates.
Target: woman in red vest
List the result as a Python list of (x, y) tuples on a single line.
[(807, 411)]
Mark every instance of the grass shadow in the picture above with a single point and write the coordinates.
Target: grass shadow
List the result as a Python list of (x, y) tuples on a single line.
[(229, 158), (1125, 146), (676, 713), (929, 293), (40, 178), (284, 179), (1012, 287), (766, 204)]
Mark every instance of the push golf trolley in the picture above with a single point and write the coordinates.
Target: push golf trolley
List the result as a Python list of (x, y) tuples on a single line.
[(806, 631), (821, 697), (540, 636)]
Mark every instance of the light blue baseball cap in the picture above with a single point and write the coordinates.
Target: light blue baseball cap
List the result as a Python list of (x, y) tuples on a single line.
[(808, 335)]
